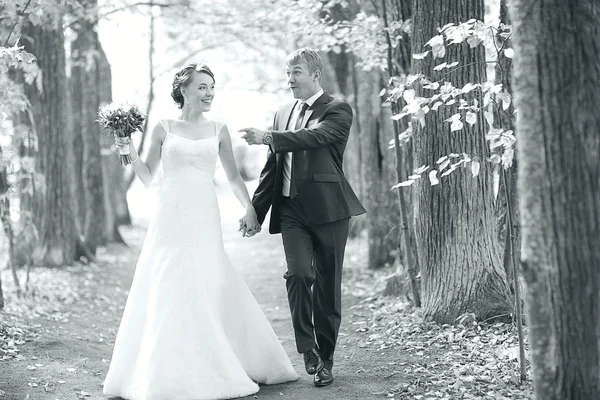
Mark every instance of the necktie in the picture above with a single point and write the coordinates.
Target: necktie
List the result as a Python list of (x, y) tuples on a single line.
[(298, 125), (301, 116)]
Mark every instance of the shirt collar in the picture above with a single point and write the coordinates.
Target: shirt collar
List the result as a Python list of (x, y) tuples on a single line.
[(311, 100)]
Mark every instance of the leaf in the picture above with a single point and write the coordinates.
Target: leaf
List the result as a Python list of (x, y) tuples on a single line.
[(408, 95), (420, 56), (441, 159), (435, 41), (505, 99), (432, 86), (455, 117), (440, 67), (436, 105), (495, 159), (469, 87), (489, 117), (475, 166), (421, 169), (433, 178), (509, 53), (403, 184), (456, 125), (471, 118), (383, 91), (439, 51), (444, 164)]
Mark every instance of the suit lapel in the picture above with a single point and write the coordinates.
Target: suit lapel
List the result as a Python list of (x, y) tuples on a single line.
[(287, 116), (324, 99)]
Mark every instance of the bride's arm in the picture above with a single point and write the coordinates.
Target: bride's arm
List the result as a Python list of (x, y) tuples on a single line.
[(229, 165), (147, 170)]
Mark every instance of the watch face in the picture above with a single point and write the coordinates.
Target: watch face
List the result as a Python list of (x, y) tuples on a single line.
[(268, 139)]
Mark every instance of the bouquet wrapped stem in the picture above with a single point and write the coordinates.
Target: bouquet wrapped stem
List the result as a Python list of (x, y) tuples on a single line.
[(121, 121)]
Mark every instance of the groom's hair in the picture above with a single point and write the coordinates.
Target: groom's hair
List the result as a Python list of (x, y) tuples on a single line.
[(307, 56), (184, 76)]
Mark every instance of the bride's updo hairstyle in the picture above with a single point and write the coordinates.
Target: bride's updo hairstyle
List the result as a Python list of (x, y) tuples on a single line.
[(184, 76)]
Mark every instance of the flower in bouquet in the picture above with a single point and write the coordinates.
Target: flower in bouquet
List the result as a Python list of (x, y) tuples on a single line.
[(121, 121)]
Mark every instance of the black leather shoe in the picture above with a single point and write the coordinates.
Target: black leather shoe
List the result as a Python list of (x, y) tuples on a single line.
[(312, 362), (323, 378)]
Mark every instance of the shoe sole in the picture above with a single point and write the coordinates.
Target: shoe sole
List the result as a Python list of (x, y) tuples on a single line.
[(323, 384)]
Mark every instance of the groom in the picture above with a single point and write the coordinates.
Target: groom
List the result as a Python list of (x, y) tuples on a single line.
[(311, 204)]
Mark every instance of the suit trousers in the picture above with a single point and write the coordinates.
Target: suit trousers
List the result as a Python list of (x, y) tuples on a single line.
[(314, 255)]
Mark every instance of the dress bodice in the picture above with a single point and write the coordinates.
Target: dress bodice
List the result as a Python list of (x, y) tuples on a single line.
[(189, 159)]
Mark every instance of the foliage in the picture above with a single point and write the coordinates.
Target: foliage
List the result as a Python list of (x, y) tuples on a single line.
[(13, 100), (469, 102)]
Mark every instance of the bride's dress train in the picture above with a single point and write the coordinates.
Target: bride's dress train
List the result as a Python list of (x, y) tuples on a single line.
[(191, 328)]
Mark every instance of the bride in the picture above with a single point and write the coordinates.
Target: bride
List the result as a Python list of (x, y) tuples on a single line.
[(191, 328)]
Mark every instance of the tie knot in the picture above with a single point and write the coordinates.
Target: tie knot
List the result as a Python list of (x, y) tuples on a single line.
[(303, 106)]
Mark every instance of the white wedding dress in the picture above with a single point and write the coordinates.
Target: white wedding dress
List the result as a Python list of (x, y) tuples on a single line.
[(191, 328)]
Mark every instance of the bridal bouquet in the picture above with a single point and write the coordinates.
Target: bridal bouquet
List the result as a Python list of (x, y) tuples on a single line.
[(121, 121)]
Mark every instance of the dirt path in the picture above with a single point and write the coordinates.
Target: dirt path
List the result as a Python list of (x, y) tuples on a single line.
[(70, 353)]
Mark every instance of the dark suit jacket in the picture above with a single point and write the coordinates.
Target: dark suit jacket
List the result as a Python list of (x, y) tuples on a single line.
[(318, 151)]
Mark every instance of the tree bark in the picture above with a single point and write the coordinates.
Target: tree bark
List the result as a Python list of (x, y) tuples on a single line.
[(505, 119), (86, 99), (53, 215), (461, 268), (378, 170), (340, 77), (113, 180), (556, 67)]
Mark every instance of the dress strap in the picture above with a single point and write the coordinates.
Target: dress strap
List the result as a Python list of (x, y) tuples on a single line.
[(218, 127), (165, 125)]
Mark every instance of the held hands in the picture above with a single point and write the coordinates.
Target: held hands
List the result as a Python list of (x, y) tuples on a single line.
[(249, 225), (253, 135)]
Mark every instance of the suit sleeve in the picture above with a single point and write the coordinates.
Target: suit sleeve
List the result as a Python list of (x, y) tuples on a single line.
[(263, 195), (334, 127)]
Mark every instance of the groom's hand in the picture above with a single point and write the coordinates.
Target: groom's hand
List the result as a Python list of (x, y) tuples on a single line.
[(253, 135)]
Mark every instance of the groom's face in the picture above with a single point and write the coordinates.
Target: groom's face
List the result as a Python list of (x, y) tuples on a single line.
[(302, 81)]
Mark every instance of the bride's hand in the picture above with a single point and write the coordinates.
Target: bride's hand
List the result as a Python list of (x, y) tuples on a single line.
[(251, 224), (121, 142)]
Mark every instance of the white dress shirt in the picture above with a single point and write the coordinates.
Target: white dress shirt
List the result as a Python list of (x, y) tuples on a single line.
[(287, 157)]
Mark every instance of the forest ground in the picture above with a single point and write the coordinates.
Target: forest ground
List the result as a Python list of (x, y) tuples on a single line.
[(56, 342)]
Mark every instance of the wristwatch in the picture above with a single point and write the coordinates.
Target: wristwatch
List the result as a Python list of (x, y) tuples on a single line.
[(268, 138)]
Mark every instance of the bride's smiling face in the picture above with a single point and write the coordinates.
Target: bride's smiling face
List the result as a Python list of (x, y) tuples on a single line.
[(199, 92)]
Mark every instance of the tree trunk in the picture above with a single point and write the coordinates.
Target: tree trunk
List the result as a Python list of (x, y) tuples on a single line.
[(113, 180), (557, 47), (369, 163), (399, 64), (53, 215), (460, 260), (86, 99), (505, 120), (378, 169), (338, 79)]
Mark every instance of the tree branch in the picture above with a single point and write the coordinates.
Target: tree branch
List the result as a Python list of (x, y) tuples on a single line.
[(16, 22)]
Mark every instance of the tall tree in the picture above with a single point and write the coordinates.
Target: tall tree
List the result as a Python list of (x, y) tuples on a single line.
[(54, 215), (461, 267), (509, 236), (85, 100), (113, 179), (556, 67), (374, 173)]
